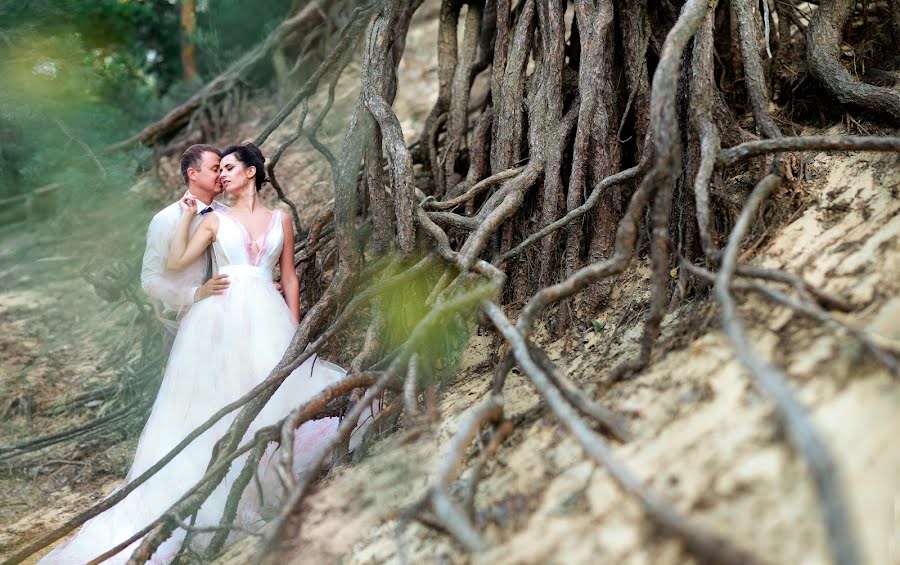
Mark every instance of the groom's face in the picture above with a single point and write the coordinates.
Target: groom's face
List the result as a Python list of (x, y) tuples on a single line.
[(206, 178)]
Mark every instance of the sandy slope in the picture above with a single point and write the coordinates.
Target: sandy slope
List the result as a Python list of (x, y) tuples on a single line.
[(704, 438)]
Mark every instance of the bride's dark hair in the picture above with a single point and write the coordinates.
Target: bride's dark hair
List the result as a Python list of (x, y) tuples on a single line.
[(250, 155)]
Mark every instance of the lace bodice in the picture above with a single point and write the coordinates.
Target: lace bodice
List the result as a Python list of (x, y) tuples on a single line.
[(233, 245)]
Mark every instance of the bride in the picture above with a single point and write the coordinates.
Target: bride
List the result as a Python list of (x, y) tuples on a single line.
[(226, 345)]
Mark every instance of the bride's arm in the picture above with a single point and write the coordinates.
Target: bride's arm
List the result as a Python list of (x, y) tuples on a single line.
[(183, 252), (289, 282)]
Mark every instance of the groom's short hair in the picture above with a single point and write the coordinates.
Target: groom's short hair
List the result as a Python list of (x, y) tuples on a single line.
[(193, 156)]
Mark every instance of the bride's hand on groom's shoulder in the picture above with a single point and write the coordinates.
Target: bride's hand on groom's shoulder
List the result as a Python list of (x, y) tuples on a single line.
[(188, 204)]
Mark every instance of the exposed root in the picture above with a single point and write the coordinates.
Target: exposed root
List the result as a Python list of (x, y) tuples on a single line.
[(773, 384), (823, 58), (704, 546), (732, 155), (807, 307), (447, 513)]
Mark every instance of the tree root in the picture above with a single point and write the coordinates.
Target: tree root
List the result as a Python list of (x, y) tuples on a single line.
[(773, 384), (732, 155), (806, 307), (448, 514), (823, 58), (704, 546)]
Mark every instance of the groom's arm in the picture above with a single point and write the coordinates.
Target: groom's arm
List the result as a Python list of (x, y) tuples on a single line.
[(159, 238)]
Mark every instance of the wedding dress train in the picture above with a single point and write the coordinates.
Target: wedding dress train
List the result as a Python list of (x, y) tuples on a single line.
[(226, 345)]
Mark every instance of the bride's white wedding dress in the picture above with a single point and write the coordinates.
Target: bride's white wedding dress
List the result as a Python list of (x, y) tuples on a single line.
[(225, 346)]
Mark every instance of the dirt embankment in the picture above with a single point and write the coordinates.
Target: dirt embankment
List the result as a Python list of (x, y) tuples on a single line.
[(703, 438)]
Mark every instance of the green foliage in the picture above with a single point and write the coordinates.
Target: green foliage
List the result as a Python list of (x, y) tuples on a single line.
[(226, 29), (404, 307), (76, 76), (53, 107), (137, 38), (79, 75)]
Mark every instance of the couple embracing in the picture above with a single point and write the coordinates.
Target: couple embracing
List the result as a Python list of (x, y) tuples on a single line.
[(210, 267)]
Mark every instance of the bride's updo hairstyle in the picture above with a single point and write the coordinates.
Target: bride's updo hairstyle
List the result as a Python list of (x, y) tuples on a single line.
[(250, 155)]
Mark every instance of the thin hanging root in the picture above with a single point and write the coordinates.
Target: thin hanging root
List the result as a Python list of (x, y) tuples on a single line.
[(446, 514), (703, 546), (809, 308), (348, 39), (610, 422), (732, 155), (270, 552), (273, 162), (251, 465), (344, 54), (410, 394), (773, 384), (384, 420)]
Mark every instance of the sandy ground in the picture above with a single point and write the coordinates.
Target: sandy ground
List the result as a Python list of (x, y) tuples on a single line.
[(57, 339)]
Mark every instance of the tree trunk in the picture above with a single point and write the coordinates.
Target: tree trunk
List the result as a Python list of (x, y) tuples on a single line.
[(188, 25)]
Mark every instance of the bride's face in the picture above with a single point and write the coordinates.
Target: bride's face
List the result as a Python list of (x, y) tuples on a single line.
[(234, 175)]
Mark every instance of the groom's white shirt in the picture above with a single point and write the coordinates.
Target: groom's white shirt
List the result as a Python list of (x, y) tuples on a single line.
[(175, 290)]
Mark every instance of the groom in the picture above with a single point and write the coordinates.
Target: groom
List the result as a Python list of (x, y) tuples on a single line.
[(176, 291)]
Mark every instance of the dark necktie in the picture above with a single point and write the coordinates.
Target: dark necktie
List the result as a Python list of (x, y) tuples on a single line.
[(207, 253)]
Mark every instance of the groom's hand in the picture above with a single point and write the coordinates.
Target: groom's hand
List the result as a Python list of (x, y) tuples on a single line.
[(213, 287)]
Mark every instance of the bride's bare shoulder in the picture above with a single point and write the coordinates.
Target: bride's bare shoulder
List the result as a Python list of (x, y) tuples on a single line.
[(209, 222), (287, 226)]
